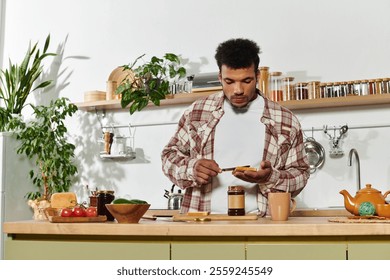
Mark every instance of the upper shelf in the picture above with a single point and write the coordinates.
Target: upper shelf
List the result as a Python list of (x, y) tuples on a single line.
[(188, 98)]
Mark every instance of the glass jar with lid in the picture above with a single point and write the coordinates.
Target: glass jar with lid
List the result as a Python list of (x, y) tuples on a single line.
[(386, 85), (313, 89), (105, 197), (301, 91), (322, 90), (288, 89), (357, 85), (378, 86), (276, 89), (371, 87), (364, 87), (263, 83), (350, 88)]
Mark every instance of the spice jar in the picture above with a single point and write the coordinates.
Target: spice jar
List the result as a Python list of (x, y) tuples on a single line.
[(322, 90), (301, 91), (263, 80), (105, 197), (276, 90), (378, 86), (236, 201), (350, 88), (371, 87), (313, 89), (288, 89), (386, 85), (364, 87)]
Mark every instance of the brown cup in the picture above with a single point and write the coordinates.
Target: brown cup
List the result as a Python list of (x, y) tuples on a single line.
[(281, 205)]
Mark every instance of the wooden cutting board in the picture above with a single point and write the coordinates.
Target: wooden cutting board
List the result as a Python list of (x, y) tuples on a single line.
[(213, 217), (59, 219)]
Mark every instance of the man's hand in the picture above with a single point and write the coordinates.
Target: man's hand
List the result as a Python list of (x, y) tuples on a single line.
[(260, 176), (204, 170)]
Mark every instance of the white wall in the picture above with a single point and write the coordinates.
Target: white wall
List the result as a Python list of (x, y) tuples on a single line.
[(323, 40)]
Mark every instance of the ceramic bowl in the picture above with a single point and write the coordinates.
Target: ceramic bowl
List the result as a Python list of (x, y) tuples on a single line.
[(383, 210), (127, 213)]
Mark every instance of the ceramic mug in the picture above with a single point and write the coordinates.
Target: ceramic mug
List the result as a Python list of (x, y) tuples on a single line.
[(281, 205)]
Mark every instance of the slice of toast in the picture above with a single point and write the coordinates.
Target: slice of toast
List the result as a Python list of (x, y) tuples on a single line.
[(243, 168)]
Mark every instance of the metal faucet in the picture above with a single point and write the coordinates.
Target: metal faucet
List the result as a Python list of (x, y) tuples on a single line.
[(354, 152)]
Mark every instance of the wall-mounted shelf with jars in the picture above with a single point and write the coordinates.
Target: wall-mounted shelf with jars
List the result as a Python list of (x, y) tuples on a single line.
[(188, 98)]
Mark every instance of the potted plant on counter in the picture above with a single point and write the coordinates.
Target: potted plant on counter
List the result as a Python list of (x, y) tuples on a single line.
[(149, 82), (44, 140), (17, 83)]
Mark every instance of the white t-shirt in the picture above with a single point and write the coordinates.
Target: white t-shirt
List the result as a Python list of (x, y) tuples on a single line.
[(239, 140)]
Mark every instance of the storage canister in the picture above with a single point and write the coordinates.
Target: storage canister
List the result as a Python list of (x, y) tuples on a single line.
[(313, 89), (236, 201), (364, 87), (276, 90), (264, 81), (288, 89), (386, 85), (371, 87), (301, 91), (378, 86), (105, 197)]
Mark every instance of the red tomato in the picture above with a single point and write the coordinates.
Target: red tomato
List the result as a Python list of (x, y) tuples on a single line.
[(91, 212), (66, 212), (78, 212)]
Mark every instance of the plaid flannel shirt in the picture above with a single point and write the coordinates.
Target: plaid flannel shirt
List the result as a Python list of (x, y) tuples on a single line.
[(194, 140)]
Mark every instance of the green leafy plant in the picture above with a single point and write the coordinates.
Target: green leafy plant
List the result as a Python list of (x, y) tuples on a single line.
[(44, 141), (17, 83), (149, 82)]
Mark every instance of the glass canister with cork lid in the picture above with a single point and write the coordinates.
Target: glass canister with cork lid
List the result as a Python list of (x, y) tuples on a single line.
[(263, 83), (288, 89), (313, 90), (276, 89)]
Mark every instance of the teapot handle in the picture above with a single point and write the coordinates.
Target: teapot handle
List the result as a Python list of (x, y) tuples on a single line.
[(386, 194)]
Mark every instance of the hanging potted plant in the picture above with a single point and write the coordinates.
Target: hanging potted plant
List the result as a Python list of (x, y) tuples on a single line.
[(18, 82), (44, 141), (149, 82)]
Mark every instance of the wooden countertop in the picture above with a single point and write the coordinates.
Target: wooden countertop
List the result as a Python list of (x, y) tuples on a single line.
[(295, 226)]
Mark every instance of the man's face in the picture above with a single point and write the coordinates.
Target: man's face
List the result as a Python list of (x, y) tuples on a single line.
[(239, 85)]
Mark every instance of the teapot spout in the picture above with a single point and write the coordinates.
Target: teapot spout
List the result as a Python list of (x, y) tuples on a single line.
[(349, 201)]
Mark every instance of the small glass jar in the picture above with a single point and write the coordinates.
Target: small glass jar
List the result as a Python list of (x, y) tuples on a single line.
[(329, 90), (263, 83), (371, 87), (357, 85), (350, 88), (322, 90), (236, 201), (276, 89), (301, 91), (313, 89), (364, 87), (378, 86), (288, 89), (386, 85), (105, 197)]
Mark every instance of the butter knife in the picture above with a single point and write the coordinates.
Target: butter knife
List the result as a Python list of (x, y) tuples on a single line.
[(232, 168)]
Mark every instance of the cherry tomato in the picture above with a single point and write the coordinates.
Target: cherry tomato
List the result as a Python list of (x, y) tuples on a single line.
[(78, 212), (91, 212), (66, 212)]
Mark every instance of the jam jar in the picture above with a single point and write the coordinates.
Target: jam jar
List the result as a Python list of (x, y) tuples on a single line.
[(105, 197), (236, 201)]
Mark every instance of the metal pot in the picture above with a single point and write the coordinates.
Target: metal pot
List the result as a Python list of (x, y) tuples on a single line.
[(174, 199)]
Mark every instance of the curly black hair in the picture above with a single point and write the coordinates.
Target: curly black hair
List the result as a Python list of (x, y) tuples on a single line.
[(237, 54)]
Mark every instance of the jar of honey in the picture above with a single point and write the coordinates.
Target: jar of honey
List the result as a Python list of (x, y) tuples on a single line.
[(236, 201)]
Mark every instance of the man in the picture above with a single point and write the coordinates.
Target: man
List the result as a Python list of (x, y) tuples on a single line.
[(237, 126)]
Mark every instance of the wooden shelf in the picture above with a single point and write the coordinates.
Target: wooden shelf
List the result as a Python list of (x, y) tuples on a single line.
[(180, 98), (188, 98)]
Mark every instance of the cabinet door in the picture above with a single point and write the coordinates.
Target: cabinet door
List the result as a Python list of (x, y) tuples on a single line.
[(368, 250), (207, 251), (84, 250), (296, 251)]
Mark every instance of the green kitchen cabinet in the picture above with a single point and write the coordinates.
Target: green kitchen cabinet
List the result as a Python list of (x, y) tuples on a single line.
[(208, 250), (375, 249), (297, 249), (85, 250)]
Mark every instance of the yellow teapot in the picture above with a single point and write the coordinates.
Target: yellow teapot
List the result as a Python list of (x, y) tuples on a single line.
[(367, 194)]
